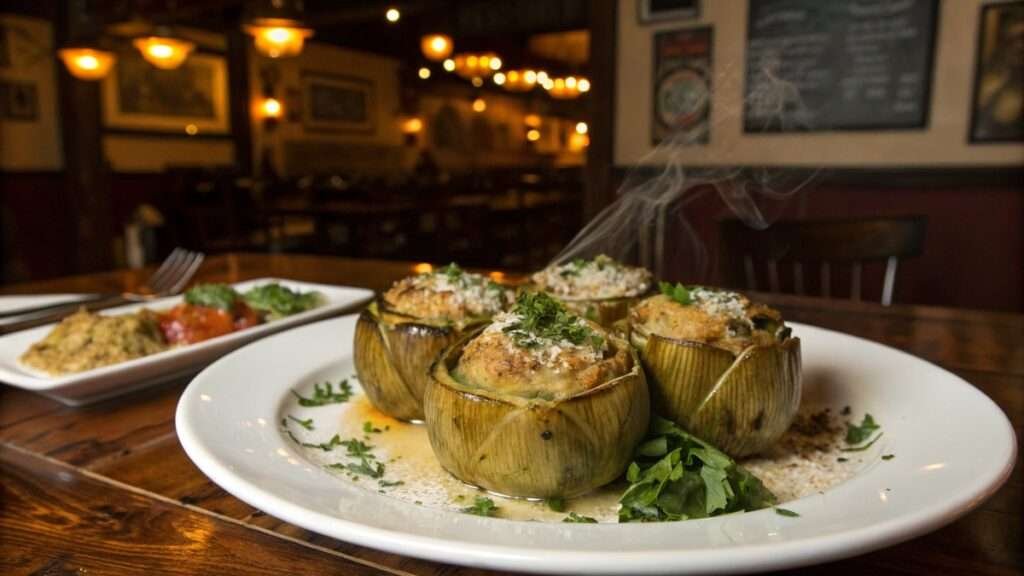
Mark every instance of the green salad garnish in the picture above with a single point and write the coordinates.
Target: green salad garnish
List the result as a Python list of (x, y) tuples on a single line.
[(482, 506), (678, 476), (278, 301), (542, 318), (677, 292), (219, 296)]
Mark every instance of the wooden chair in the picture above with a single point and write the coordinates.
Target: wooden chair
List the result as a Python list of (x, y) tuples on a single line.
[(822, 243)]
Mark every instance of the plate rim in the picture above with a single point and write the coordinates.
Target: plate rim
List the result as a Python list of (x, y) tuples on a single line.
[(743, 558)]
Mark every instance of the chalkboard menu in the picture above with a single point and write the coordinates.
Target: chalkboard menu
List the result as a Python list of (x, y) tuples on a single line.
[(820, 65)]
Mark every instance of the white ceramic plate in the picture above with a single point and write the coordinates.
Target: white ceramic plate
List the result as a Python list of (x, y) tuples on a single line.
[(92, 385), (953, 448)]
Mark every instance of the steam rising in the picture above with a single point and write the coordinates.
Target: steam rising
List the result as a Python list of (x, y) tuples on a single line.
[(646, 224)]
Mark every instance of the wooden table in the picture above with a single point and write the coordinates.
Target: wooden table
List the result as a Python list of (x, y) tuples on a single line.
[(107, 489)]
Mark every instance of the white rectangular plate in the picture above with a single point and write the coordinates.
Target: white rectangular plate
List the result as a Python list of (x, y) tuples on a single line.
[(100, 383)]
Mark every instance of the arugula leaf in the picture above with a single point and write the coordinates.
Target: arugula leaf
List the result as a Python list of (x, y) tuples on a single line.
[(677, 476), (862, 447), (575, 518), (307, 423), (556, 504), (324, 394), (858, 434), (278, 301), (219, 296), (482, 507), (787, 513), (678, 292)]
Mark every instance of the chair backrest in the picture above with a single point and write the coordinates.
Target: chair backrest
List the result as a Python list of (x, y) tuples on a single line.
[(824, 243)]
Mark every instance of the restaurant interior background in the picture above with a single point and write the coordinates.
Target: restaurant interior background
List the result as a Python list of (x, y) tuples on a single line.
[(490, 132)]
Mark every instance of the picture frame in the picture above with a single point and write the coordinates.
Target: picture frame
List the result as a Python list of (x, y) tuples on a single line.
[(997, 114), (338, 103), (191, 100), (682, 86), (650, 11)]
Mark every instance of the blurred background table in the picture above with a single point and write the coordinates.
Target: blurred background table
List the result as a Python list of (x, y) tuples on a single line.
[(107, 489)]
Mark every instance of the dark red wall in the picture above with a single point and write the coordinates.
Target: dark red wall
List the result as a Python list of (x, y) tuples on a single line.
[(974, 248)]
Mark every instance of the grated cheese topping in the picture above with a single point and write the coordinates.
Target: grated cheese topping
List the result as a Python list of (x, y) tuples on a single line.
[(449, 293), (720, 303), (557, 354), (602, 277)]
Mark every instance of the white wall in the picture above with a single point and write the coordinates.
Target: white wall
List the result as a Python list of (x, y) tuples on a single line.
[(943, 142)]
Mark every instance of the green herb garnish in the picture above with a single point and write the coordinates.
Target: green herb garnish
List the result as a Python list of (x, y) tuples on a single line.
[(578, 519), (369, 429), (858, 434), (863, 447), (482, 507), (307, 423), (556, 504), (678, 476), (676, 292), (542, 318), (386, 484), (324, 394), (278, 301), (219, 296), (888, 457), (787, 513), (364, 467)]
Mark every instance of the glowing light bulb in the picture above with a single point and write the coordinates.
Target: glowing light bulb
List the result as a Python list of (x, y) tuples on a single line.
[(163, 52), (477, 81), (499, 78), (479, 105), (533, 134), (582, 128), (449, 65), (436, 47), (86, 63), (424, 73), (494, 63), (392, 15), (279, 39), (271, 108), (583, 85)]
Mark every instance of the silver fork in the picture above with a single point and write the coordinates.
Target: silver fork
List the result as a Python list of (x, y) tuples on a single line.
[(170, 278)]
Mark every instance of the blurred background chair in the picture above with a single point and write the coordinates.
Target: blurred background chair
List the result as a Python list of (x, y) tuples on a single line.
[(783, 257)]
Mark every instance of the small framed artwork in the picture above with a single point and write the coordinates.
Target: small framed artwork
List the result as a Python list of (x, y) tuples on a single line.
[(682, 87), (649, 11), (337, 103), (997, 113), (192, 99)]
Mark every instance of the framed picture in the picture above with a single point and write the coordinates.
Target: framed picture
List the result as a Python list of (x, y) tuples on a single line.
[(997, 113), (337, 103), (660, 10), (682, 86), (192, 99)]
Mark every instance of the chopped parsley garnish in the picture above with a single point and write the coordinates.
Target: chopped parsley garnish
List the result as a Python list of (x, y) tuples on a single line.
[(858, 434), (368, 428), (386, 484), (677, 292), (324, 394), (278, 301), (307, 423), (841, 459), (541, 318), (482, 507), (575, 518), (219, 296), (888, 456), (556, 504), (787, 513), (677, 476), (364, 467), (357, 448)]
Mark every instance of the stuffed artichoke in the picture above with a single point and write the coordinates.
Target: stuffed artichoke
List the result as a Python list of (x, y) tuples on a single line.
[(601, 289), (723, 368), (400, 335), (539, 404)]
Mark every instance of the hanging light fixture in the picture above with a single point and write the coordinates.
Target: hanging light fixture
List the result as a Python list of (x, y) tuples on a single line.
[(277, 28), (477, 65), (436, 47), (520, 80), (163, 50), (86, 61)]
